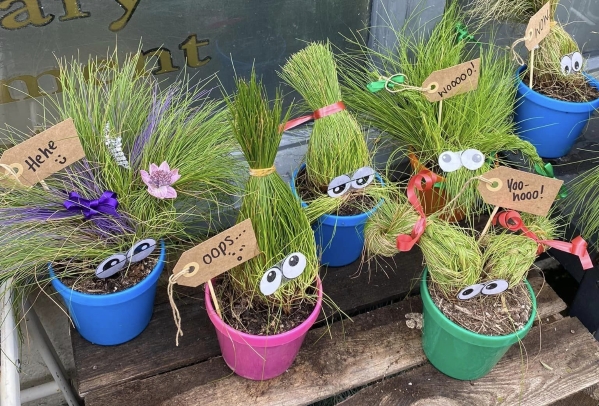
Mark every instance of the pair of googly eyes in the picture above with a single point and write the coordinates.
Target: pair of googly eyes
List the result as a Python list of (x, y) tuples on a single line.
[(490, 288), (290, 268), (117, 262), (472, 159), (571, 63), (344, 183)]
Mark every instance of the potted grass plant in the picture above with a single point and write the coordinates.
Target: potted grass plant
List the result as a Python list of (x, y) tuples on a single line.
[(337, 182), (551, 113), (270, 302), (157, 161), (480, 120)]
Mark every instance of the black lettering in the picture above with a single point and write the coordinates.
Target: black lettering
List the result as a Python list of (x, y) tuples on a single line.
[(51, 145), (39, 160), (45, 151), (535, 194), (520, 185), (515, 197), (528, 195), (32, 165), (522, 196), (207, 259), (212, 252), (463, 76), (229, 240), (222, 247), (510, 183), (469, 72)]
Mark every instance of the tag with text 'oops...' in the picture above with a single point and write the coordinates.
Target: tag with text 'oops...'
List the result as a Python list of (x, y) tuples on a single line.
[(538, 27), (217, 255), (446, 83), (43, 154), (521, 191)]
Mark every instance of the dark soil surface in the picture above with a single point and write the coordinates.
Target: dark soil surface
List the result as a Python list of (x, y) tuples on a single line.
[(259, 319), (357, 203), (122, 280), (492, 315), (551, 86)]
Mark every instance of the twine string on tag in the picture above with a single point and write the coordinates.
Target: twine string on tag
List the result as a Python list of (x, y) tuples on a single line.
[(261, 172), (172, 280), (10, 172), (401, 87), (515, 54)]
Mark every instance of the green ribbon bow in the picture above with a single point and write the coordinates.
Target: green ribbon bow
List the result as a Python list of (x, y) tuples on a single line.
[(381, 84), (463, 33), (547, 171)]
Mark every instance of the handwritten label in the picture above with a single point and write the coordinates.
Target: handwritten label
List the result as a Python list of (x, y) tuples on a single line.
[(452, 81), (218, 254), (44, 154), (538, 27), (517, 190)]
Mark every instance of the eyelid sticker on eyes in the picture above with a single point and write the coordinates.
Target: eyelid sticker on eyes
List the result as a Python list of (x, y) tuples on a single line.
[(344, 183), (339, 186), (362, 177), (116, 262), (141, 250)]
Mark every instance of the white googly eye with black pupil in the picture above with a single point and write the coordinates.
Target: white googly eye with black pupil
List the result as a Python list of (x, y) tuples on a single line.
[(450, 161), (111, 265), (472, 159), (576, 61), (566, 65), (495, 287), (141, 250), (362, 177), (271, 281), (339, 186), (293, 265), (470, 291)]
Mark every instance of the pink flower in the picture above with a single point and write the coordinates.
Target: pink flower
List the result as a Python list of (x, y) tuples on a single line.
[(160, 179)]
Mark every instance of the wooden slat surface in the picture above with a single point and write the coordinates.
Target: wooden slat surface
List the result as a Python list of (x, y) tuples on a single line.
[(154, 351), (567, 347), (346, 355)]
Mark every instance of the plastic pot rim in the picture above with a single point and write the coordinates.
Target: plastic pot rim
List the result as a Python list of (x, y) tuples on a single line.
[(467, 335)]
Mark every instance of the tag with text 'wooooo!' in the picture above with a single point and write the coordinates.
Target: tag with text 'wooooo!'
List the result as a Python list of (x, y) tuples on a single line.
[(521, 191), (217, 255), (538, 27), (446, 83), (43, 154)]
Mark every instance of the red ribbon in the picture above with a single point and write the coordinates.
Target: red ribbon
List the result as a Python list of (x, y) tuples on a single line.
[(320, 113), (406, 242), (512, 221)]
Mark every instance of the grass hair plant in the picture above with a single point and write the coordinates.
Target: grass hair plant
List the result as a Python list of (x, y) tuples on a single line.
[(583, 195), (280, 225), (480, 119)]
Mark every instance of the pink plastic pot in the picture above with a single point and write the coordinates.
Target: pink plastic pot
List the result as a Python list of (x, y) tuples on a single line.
[(260, 357)]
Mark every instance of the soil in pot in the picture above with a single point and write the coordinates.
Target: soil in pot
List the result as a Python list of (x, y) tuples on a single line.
[(357, 203), (579, 91), (491, 315), (122, 280), (258, 320)]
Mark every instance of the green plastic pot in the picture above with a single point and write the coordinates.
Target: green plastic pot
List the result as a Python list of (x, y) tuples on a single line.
[(460, 353)]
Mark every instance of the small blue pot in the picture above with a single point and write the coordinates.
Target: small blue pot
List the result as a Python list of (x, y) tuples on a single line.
[(551, 125), (112, 318), (340, 239)]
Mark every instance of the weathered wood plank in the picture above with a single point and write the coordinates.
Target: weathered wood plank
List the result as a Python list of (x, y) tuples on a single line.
[(352, 288), (573, 357), (350, 354)]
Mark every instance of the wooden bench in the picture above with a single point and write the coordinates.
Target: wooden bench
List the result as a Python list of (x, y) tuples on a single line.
[(560, 356)]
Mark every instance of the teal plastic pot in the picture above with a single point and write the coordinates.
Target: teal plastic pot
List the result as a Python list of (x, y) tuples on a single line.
[(460, 353), (113, 318)]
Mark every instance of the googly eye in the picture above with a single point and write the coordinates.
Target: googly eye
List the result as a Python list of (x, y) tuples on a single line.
[(362, 177), (339, 186), (111, 265), (141, 250), (495, 287), (472, 159), (566, 65), (449, 161), (577, 61), (293, 265), (271, 281), (470, 291)]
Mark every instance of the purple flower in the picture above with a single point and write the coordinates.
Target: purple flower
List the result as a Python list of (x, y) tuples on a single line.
[(160, 179)]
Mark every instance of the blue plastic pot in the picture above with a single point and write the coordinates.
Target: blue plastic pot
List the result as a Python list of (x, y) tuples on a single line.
[(551, 125), (112, 318), (340, 239)]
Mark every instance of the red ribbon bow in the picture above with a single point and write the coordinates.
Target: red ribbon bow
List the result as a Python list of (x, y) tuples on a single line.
[(406, 242), (511, 220), (320, 113)]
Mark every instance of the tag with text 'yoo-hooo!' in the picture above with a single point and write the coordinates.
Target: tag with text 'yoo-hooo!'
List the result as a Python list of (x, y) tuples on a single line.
[(217, 255), (43, 154), (538, 27), (446, 83), (521, 191)]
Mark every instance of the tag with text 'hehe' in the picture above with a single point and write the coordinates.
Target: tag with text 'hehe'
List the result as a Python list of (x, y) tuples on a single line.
[(217, 255), (446, 83), (44, 154), (521, 191), (538, 27)]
